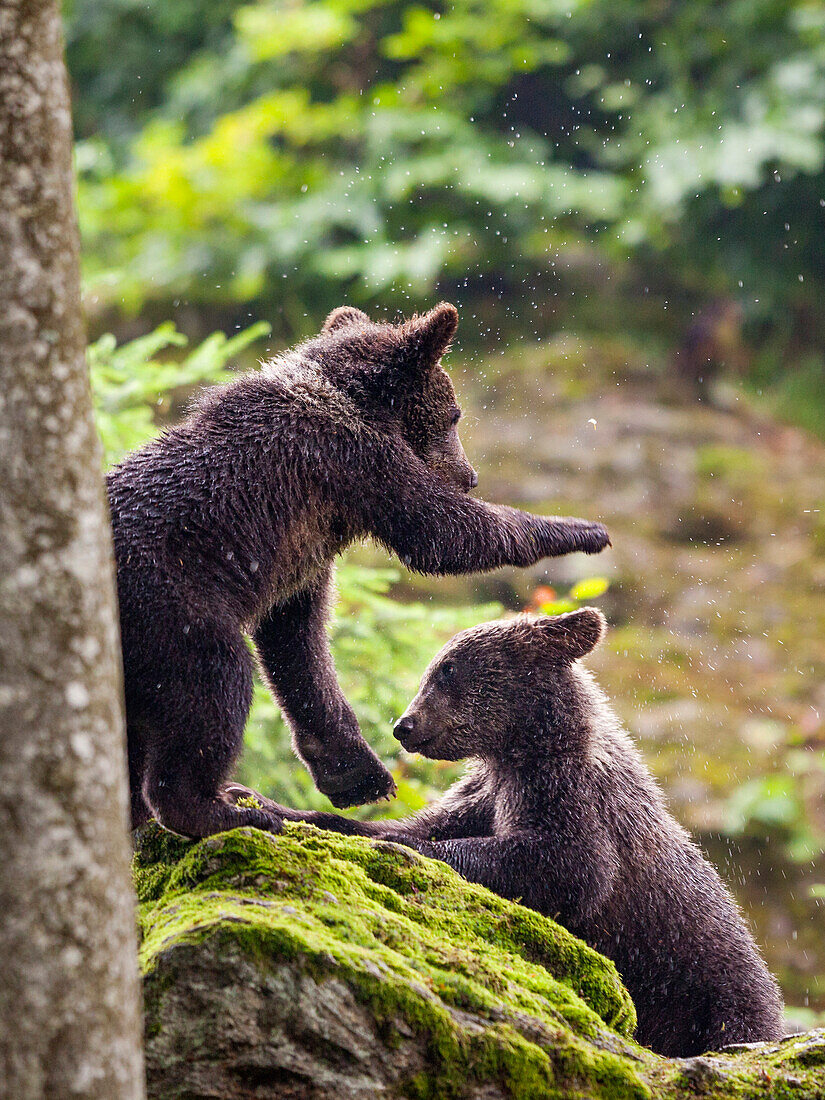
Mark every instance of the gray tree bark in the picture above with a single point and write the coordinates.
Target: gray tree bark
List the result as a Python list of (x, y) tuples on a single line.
[(69, 995)]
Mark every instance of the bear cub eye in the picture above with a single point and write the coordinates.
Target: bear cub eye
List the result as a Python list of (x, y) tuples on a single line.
[(447, 672)]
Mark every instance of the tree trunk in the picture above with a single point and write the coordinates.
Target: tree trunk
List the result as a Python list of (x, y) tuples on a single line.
[(69, 997)]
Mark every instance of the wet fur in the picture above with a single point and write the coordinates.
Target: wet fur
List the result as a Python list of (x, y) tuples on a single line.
[(559, 810), (228, 525)]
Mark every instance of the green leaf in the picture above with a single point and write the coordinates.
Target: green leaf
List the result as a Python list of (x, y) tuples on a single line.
[(589, 589), (557, 607)]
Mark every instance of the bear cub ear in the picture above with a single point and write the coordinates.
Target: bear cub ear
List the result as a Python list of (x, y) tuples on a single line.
[(574, 634), (431, 333), (343, 316)]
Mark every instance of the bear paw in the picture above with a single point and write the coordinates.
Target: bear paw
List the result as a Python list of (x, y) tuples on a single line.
[(365, 781), (582, 535), (595, 538)]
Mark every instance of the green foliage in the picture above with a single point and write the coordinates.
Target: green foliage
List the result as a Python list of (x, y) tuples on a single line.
[(381, 646), (548, 602), (798, 395), (115, 90), (322, 184), (373, 148), (776, 804)]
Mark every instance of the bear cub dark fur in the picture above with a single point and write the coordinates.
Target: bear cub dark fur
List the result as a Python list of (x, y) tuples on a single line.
[(559, 810), (229, 523)]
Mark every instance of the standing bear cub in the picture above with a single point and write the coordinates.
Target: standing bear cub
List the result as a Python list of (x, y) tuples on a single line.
[(229, 523), (560, 812)]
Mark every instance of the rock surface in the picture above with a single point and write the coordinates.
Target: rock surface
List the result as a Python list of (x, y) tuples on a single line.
[(309, 966)]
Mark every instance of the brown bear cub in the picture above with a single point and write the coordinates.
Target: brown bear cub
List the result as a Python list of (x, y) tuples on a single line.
[(558, 810), (229, 523)]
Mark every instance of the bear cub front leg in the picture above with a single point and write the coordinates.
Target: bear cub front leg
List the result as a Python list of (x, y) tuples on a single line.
[(295, 660)]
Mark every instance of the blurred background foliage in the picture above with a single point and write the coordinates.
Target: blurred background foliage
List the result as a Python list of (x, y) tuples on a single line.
[(648, 177), (287, 155)]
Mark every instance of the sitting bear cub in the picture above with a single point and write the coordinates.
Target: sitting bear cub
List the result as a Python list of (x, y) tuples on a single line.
[(558, 810), (229, 523)]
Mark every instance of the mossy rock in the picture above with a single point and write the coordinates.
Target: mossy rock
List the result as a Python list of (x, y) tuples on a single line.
[(311, 965)]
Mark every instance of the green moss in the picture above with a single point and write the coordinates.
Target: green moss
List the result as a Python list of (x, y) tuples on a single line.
[(495, 992), (408, 935), (249, 801), (739, 465)]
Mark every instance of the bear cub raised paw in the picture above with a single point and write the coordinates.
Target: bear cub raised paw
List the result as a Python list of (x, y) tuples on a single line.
[(559, 811), (228, 524)]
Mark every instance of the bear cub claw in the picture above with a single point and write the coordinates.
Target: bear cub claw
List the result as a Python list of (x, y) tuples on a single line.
[(366, 781)]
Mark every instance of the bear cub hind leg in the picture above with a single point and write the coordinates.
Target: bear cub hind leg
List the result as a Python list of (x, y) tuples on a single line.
[(190, 744)]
